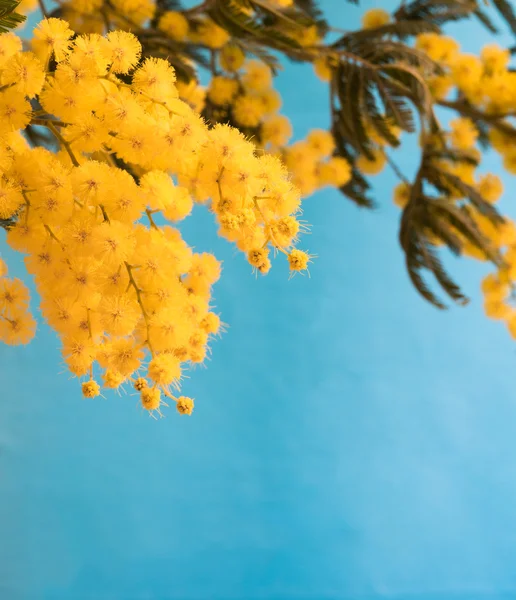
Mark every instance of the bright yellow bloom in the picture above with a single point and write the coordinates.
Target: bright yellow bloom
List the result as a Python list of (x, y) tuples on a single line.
[(164, 369), (25, 73), (222, 90), (14, 110), (322, 69), (10, 199), (210, 34), (14, 296), (52, 35), (257, 76), (139, 10), (401, 194), (463, 133), (10, 45), (438, 47), (375, 17), (466, 70), (155, 78), (150, 398), (122, 51), (185, 405), (298, 260), (494, 58), (112, 379), (248, 110), (276, 130), (119, 315), (3, 268), (490, 187), (192, 93), (90, 389), (17, 329), (174, 24), (140, 383), (231, 58), (371, 166), (336, 171), (440, 86), (321, 141), (211, 323)]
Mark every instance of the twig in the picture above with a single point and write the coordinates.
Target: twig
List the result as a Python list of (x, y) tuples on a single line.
[(396, 169), (43, 9), (467, 109), (138, 291)]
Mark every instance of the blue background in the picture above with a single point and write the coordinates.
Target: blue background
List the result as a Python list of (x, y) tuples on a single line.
[(348, 441)]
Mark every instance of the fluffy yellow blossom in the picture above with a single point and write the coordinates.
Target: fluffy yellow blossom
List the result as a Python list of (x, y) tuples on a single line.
[(90, 389), (140, 383), (14, 111), (17, 329), (185, 405), (321, 141), (209, 34), (248, 110), (372, 166), (192, 93), (336, 171), (438, 47), (25, 7), (494, 58), (112, 379), (52, 36), (211, 323), (401, 194), (466, 70), (440, 86), (257, 76), (150, 398), (490, 187), (298, 260), (276, 130), (463, 133), (140, 10), (375, 17), (322, 68), (164, 369), (3, 268), (25, 73), (122, 51), (231, 58), (174, 24), (10, 45), (222, 90)]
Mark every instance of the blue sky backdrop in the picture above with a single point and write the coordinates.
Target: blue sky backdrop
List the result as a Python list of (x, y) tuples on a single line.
[(348, 441)]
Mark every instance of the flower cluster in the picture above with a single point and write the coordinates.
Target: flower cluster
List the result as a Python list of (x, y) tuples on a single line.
[(130, 300), (487, 88), (17, 325), (244, 95)]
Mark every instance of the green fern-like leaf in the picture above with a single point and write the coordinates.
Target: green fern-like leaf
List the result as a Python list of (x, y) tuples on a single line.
[(506, 10), (9, 18), (436, 11)]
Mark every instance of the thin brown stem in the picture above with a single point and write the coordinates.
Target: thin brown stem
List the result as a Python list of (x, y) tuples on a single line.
[(495, 120), (43, 9), (396, 169), (138, 291), (60, 138), (149, 214), (200, 8)]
